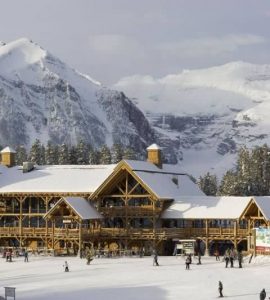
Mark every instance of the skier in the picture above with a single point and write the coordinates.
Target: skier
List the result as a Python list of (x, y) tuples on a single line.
[(8, 255), (220, 288), (26, 256), (226, 258), (262, 294), (199, 258), (90, 253), (66, 267), (188, 262), (155, 259), (240, 258), (216, 253)]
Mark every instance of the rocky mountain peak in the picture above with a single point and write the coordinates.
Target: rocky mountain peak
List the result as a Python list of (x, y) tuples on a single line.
[(42, 97)]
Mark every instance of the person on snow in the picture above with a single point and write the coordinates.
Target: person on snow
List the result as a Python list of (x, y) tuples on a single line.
[(227, 258), (262, 294), (25, 256), (90, 253), (216, 253), (155, 258), (240, 258), (232, 257), (188, 262), (199, 258), (7, 255), (220, 288), (66, 268)]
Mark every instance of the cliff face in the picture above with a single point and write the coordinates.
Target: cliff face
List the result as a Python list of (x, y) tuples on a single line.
[(204, 116), (41, 97)]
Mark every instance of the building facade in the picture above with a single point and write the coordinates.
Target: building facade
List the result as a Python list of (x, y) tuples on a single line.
[(130, 206)]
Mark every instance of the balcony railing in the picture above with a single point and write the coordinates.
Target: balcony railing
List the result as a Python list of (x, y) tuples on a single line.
[(123, 232)]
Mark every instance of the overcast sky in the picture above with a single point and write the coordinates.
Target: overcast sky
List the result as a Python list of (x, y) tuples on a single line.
[(111, 39)]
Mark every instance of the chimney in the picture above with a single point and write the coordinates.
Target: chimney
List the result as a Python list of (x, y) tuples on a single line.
[(8, 157), (154, 155)]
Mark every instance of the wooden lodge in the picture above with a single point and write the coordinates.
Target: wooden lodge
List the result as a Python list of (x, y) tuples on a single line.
[(129, 206)]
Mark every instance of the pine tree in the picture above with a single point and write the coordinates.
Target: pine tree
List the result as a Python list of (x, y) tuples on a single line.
[(105, 155), (129, 154), (243, 176), (49, 154), (35, 154), (72, 155), (82, 153), (117, 153), (56, 154), (252, 175), (208, 184), (63, 155), (229, 184), (93, 157), (21, 155), (42, 155)]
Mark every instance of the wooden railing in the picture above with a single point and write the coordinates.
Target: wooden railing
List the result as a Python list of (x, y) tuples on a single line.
[(165, 233)]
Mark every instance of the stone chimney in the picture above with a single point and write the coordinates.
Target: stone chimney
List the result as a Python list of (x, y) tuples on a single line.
[(154, 155), (8, 157)]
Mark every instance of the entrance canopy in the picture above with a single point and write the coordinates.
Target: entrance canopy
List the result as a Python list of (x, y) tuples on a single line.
[(77, 206)]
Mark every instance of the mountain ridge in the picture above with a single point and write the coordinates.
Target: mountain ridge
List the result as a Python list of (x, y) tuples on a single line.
[(42, 97), (212, 112)]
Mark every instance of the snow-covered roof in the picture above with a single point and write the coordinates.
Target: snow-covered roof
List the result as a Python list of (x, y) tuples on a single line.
[(207, 207), (264, 205), (53, 179), (167, 182), (164, 186), (83, 208), (138, 165), (153, 147), (8, 150)]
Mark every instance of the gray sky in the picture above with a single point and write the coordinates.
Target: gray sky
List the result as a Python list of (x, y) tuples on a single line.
[(111, 39)]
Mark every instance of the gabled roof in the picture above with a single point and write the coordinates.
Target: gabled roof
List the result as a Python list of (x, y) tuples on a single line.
[(264, 205), (83, 208), (80, 206), (207, 207), (165, 183)]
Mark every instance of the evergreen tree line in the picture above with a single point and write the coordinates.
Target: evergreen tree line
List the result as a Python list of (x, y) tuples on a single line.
[(80, 154), (251, 175)]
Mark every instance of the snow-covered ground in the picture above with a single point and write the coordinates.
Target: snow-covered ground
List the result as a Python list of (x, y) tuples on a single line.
[(132, 278)]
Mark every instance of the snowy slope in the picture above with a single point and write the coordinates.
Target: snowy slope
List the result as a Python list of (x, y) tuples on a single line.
[(209, 113), (133, 278), (42, 97)]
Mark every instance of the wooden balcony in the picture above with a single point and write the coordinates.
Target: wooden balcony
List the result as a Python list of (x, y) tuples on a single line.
[(202, 232), (131, 233)]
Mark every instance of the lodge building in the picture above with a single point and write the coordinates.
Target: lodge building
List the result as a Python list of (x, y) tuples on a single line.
[(126, 206)]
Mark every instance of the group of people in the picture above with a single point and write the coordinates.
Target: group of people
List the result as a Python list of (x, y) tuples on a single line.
[(8, 254), (231, 255)]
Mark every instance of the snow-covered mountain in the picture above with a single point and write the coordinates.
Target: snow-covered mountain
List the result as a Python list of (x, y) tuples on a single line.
[(42, 97), (199, 117), (207, 113)]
